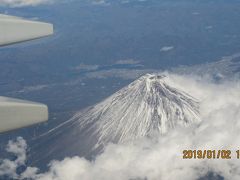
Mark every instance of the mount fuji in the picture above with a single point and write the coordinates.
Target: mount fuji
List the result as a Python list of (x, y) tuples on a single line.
[(146, 106), (149, 105)]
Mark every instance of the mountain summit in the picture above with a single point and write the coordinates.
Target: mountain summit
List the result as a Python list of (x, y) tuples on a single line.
[(147, 105)]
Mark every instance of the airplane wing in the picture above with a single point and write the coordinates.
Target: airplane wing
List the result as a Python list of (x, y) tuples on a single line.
[(15, 29), (15, 113)]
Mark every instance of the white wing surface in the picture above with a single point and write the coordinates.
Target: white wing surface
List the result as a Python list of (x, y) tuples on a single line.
[(15, 113), (14, 30)]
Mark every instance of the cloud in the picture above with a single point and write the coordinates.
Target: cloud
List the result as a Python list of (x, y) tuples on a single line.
[(166, 48), (85, 67), (119, 73), (128, 61), (100, 2), (21, 3), (160, 157), (226, 68), (195, 13), (18, 148)]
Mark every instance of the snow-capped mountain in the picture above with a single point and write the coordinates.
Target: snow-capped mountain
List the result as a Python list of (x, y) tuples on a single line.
[(147, 105), (151, 104)]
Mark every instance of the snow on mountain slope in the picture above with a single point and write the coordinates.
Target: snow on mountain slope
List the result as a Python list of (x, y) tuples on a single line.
[(147, 105)]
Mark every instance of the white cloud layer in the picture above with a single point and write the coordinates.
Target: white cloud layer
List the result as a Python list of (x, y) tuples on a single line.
[(161, 157), (21, 3)]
